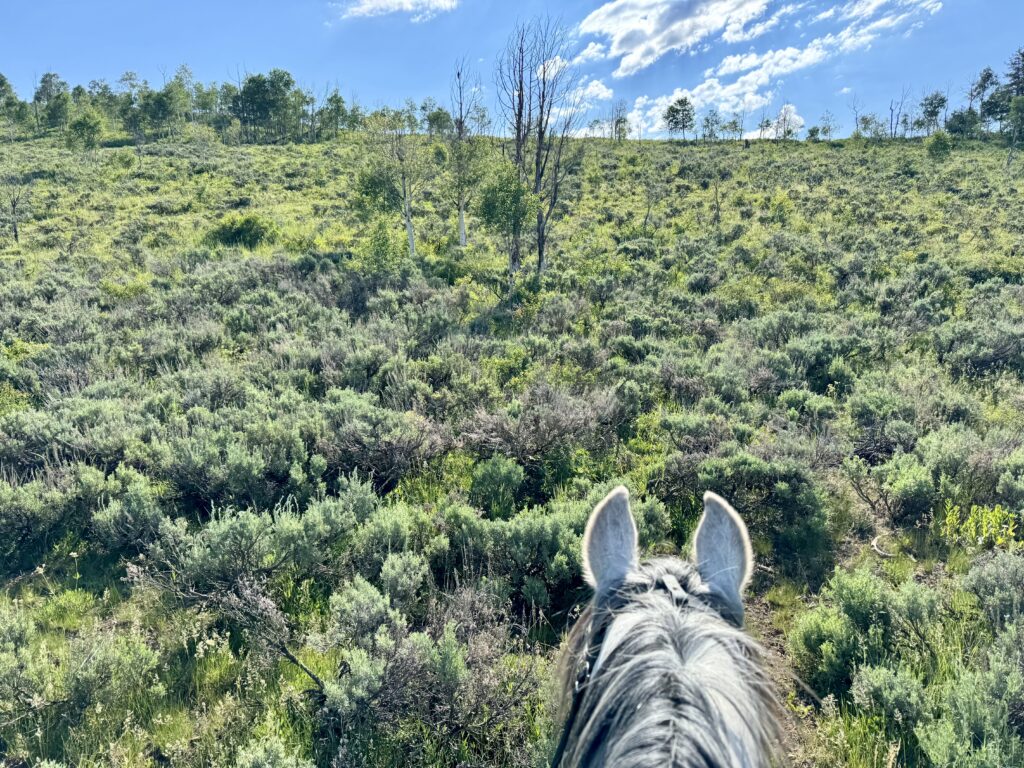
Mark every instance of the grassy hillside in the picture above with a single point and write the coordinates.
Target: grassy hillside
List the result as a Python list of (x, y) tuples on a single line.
[(273, 493)]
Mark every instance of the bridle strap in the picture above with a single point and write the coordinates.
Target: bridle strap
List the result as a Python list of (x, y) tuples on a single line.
[(595, 639), (671, 585)]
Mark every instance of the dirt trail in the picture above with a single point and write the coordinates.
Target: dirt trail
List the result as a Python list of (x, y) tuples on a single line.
[(794, 730)]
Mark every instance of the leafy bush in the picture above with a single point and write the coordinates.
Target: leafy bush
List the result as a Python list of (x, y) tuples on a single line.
[(380, 443), (248, 230), (402, 576), (980, 527), (998, 583), (911, 488), (496, 486), (85, 130), (131, 520), (777, 497), (938, 145), (269, 753), (897, 695), (857, 624), (825, 646)]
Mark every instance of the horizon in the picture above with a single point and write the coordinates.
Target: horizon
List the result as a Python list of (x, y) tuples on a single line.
[(749, 56)]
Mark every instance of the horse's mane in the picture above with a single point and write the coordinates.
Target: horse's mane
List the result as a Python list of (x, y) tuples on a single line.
[(682, 688)]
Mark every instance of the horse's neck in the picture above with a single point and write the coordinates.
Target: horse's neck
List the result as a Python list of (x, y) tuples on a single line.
[(724, 704)]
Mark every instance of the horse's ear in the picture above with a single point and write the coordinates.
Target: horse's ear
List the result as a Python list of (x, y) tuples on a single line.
[(721, 549), (610, 542)]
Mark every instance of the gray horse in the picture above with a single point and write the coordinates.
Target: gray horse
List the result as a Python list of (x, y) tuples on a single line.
[(658, 670)]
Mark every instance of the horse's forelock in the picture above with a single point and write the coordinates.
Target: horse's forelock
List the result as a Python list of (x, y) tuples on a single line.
[(683, 687)]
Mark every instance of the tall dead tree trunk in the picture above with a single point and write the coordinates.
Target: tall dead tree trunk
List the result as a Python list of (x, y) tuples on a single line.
[(514, 82), (466, 111), (540, 101)]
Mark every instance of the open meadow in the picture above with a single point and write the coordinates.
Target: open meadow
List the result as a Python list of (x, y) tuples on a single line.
[(274, 492)]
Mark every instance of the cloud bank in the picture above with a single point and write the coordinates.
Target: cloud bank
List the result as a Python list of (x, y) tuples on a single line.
[(638, 33)]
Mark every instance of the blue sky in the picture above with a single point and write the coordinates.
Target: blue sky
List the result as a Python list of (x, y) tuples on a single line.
[(749, 55)]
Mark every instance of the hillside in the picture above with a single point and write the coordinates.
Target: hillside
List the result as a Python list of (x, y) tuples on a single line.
[(272, 492)]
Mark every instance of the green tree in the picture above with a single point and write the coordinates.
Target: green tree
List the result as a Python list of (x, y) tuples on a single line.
[(828, 125), (396, 160), (711, 125), (964, 122), (13, 111), (333, 114), (870, 126), (7, 96), (507, 204), (85, 129), (620, 121), (263, 105), (130, 94), (57, 111), (996, 108), (437, 121), (1016, 120), (987, 81), (103, 98), (164, 110), (51, 101), (680, 116), (733, 128), (932, 107)]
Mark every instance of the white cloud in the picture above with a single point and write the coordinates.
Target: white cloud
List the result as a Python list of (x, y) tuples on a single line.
[(750, 91), (758, 74), (596, 90), (639, 32), (552, 67), (586, 97), (861, 9), (739, 34), (418, 10), (775, 63), (593, 52)]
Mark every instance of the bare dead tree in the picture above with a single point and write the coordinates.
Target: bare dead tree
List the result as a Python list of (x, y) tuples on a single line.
[(855, 107), (514, 80), (828, 125), (467, 116), (14, 199), (619, 124), (896, 112), (764, 124), (539, 100)]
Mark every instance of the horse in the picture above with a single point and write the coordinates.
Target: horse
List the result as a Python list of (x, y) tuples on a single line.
[(657, 670)]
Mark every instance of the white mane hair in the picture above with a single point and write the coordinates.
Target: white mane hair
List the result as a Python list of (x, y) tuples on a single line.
[(676, 681)]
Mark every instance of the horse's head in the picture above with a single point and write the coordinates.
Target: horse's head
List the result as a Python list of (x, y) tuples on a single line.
[(658, 670)]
